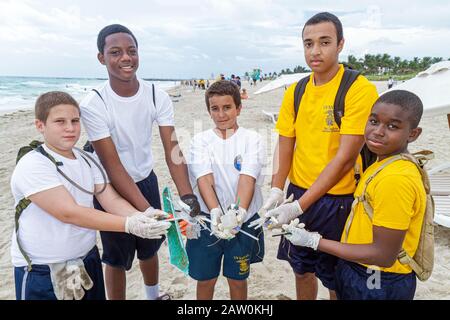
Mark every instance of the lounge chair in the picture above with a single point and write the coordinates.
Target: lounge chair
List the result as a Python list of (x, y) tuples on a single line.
[(272, 115), (440, 190)]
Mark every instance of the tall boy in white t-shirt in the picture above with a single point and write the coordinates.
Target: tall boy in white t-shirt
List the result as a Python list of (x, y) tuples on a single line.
[(54, 248), (225, 163), (118, 119)]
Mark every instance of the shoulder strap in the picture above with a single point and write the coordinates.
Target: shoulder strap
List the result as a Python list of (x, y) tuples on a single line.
[(298, 94), (363, 198), (98, 93), (348, 79), (153, 92)]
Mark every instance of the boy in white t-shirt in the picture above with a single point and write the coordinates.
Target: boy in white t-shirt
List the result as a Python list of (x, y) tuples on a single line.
[(54, 244), (225, 163), (118, 119)]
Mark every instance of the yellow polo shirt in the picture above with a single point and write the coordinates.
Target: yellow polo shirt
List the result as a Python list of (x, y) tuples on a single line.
[(317, 134), (398, 199)]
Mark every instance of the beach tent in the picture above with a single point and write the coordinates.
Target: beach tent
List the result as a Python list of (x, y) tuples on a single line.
[(281, 81), (433, 88)]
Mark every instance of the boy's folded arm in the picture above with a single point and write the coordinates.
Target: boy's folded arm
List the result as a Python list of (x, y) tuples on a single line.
[(119, 177), (205, 184), (175, 160), (282, 160), (59, 203), (382, 252), (246, 188), (337, 168), (113, 203)]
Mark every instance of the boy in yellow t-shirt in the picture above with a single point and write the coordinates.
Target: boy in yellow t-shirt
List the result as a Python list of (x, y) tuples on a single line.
[(398, 199), (317, 155)]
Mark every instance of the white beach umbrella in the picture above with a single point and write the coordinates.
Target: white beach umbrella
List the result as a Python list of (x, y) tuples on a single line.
[(283, 80), (433, 88)]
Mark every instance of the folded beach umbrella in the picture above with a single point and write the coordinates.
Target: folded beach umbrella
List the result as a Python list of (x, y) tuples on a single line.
[(433, 88), (283, 80)]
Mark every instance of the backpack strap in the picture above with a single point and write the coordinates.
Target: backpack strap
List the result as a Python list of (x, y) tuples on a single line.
[(23, 203), (298, 94), (348, 78), (364, 197), (153, 95)]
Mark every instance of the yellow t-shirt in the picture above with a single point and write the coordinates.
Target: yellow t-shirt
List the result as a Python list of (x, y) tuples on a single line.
[(317, 134), (398, 199)]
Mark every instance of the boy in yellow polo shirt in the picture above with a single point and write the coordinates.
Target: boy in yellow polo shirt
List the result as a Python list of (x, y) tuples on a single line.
[(398, 199), (317, 154)]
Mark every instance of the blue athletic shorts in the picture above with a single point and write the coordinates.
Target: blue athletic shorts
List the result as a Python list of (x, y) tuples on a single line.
[(37, 284), (356, 282), (118, 247), (326, 216), (205, 254)]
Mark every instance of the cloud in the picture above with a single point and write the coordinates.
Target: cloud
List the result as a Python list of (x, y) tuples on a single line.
[(197, 37)]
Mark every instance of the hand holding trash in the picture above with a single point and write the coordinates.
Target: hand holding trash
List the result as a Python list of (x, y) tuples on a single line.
[(142, 226), (297, 235)]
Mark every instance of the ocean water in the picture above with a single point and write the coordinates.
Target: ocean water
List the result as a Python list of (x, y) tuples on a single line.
[(21, 92)]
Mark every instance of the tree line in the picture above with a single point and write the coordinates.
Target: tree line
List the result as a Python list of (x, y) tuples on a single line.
[(378, 64)]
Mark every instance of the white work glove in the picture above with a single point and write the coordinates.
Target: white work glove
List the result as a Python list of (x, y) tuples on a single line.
[(142, 226), (70, 279), (298, 236), (216, 225), (155, 214), (276, 198), (284, 213), (241, 215)]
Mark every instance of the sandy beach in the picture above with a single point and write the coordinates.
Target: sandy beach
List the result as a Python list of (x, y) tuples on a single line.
[(271, 279)]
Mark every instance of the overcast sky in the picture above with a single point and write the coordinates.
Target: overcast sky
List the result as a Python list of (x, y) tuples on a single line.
[(195, 38)]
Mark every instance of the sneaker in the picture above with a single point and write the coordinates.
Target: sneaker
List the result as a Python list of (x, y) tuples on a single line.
[(164, 296)]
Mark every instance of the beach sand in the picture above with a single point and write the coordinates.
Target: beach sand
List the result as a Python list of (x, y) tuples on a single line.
[(271, 279)]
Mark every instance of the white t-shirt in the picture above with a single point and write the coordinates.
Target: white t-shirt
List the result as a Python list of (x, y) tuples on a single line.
[(44, 238), (242, 153), (128, 121)]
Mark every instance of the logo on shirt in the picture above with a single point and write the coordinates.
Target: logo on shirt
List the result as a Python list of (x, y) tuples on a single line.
[(238, 162), (330, 124)]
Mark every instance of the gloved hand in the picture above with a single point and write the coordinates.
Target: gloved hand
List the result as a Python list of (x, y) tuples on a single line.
[(155, 214), (276, 198), (144, 227), (298, 236), (217, 226), (284, 213), (70, 279), (192, 201), (241, 215)]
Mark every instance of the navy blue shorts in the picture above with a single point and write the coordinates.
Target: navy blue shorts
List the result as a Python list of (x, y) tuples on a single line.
[(205, 254), (118, 247), (356, 282), (37, 284), (326, 216)]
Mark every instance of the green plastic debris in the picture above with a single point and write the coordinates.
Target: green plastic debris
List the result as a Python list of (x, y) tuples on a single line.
[(177, 251)]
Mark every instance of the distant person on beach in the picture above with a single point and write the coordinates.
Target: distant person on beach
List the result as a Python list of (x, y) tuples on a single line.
[(319, 157), (54, 250), (118, 119), (373, 238), (390, 82), (244, 94), (226, 160)]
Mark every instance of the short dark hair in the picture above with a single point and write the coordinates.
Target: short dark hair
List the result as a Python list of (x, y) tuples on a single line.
[(46, 101), (326, 17), (406, 100), (223, 88), (112, 29)]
